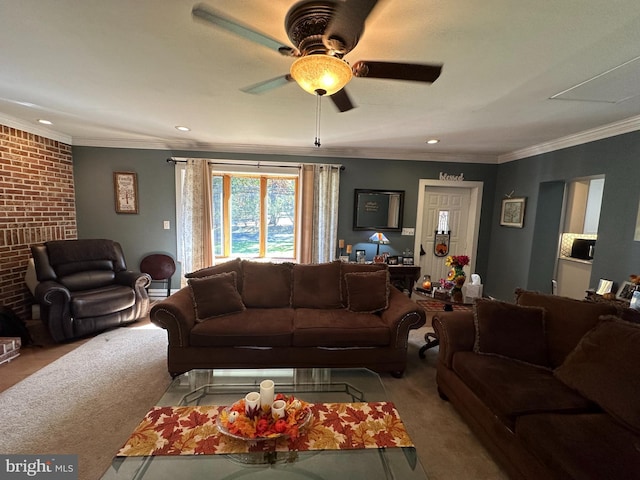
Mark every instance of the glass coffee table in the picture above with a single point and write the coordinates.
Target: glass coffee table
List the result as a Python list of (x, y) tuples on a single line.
[(225, 386)]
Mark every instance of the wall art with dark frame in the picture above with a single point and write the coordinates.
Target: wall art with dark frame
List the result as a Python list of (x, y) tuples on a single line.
[(512, 213), (125, 187)]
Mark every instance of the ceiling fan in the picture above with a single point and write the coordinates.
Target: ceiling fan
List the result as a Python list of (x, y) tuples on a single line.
[(323, 32)]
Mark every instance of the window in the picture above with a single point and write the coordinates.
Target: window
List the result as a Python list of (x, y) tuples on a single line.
[(254, 216), (443, 221)]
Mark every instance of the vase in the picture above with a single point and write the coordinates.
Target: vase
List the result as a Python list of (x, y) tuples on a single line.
[(458, 277)]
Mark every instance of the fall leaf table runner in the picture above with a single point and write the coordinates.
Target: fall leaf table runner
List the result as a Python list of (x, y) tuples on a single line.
[(334, 426)]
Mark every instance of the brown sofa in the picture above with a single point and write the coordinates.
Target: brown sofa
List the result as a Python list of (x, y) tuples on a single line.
[(550, 385), (250, 314)]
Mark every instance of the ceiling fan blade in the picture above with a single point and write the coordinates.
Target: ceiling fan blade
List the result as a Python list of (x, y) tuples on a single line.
[(206, 13), (342, 101), (415, 72), (267, 85), (347, 23)]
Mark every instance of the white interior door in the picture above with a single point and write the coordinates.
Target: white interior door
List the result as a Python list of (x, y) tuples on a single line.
[(456, 207), (446, 209)]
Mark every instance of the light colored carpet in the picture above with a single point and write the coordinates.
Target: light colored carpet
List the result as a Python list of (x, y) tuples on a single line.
[(90, 400)]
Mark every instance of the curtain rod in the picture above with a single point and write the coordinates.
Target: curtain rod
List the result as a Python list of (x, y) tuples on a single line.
[(257, 164)]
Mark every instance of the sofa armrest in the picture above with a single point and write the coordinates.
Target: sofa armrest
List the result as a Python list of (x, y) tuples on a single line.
[(177, 315), (55, 311), (132, 279), (456, 332), (402, 315)]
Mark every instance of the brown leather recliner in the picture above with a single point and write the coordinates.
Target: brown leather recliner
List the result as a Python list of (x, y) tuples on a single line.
[(84, 287)]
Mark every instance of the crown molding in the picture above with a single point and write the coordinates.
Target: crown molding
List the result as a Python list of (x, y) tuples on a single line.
[(13, 122), (631, 124), (335, 152)]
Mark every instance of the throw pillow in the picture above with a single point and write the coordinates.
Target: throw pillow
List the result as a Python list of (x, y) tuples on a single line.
[(605, 368), (266, 285), (346, 268), (230, 266), (316, 286), (512, 331), (367, 292), (215, 296)]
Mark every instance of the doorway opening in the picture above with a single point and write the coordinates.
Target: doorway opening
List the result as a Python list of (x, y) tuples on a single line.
[(454, 206)]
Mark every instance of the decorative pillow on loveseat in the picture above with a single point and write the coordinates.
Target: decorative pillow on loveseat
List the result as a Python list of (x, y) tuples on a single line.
[(316, 285), (605, 368), (215, 296), (509, 330), (367, 292)]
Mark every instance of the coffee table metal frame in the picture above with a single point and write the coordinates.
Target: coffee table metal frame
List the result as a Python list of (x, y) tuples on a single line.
[(224, 386)]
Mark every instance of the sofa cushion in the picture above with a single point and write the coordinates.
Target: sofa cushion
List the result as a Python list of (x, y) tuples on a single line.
[(338, 328), (346, 268), (566, 320), (266, 285), (102, 301), (605, 367), (230, 266), (316, 286), (511, 388), (588, 446), (215, 295), (511, 331), (256, 327), (367, 292)]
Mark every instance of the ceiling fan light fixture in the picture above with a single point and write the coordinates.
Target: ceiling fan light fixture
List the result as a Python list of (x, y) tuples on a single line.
[(321, 72)]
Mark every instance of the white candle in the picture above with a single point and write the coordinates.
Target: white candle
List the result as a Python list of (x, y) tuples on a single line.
[(267, 393), (277, 409), (341, 243), (251, 404)]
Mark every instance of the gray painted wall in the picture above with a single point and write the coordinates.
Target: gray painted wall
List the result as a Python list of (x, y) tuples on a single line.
[(143, 233), (617, 255), (503, 253)]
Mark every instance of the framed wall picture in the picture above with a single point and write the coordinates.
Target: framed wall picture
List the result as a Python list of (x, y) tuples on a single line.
[(125, 185), (625, 292), (512, 213)]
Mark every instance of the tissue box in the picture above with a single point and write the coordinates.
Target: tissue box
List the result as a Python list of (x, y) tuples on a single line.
[(472, 291)]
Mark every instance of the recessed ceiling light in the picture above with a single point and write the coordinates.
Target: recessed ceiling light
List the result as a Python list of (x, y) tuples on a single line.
[(45, 122), (433, 141), (183, 129)]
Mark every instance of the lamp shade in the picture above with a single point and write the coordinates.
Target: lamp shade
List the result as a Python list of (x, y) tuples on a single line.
[(379, 238), (321, 72)]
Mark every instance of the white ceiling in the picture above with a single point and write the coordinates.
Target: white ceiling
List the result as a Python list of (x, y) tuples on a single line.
[(126, 72)]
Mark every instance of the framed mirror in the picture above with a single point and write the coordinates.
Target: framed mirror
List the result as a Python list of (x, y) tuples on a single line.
[(379, 210)]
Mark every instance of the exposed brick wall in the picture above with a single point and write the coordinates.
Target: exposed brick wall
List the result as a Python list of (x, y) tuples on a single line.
[(37, 203)]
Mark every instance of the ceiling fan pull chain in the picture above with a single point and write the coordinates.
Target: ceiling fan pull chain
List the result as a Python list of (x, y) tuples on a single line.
[(319, 94)]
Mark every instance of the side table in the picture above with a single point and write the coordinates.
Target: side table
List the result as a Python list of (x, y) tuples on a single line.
[(404, 276), (430, 338)]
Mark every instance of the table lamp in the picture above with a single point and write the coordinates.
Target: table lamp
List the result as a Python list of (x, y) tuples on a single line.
[(380, 239)]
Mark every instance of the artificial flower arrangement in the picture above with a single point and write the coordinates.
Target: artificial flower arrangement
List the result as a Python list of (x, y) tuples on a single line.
[(261, 423), (456, 274), (457, 261)]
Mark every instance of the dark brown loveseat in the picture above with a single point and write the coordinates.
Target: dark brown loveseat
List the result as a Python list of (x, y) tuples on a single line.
[(250, 314), (550, 385)]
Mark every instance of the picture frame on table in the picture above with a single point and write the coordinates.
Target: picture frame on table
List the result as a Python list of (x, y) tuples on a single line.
[(125, 187), (361, 256), (392, 260), (625, 292), (407, 260), (512, 213), (635, 301)]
